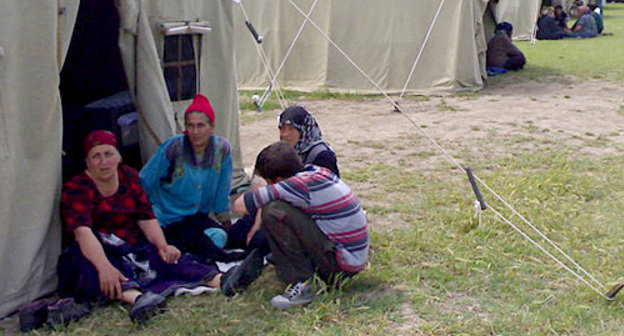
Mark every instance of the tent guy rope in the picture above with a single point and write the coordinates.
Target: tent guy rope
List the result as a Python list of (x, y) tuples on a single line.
[(290, 49), (460, 168), (422, 48), (267, 68)]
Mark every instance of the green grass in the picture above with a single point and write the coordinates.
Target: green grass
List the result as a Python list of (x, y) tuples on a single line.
[(322, 93), (272, 107), (433, 270), (471, 279)]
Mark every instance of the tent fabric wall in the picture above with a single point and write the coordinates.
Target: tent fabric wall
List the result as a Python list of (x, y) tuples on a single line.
[(489, 23), (279, 23), (141, 45), (385, 47), (34, 41), (522, 14)]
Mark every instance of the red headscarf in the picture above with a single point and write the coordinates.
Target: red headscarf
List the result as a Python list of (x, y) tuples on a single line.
[(201, 104), (99, 137)]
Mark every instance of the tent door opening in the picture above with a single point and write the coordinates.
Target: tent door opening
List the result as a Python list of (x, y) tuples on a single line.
[(94, 89)]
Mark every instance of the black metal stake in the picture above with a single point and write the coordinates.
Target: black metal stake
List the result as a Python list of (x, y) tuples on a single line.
[(475, 188)]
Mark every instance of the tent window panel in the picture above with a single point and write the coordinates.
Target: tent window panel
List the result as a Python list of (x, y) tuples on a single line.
[(188, 86), (171, 49), (179, 48), (181, 82), (180, 67)]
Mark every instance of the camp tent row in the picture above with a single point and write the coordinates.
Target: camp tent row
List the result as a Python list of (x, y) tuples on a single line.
[(156, 41), (383, 38)]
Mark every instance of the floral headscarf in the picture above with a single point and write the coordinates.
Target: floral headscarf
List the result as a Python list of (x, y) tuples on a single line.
[(304, 122)]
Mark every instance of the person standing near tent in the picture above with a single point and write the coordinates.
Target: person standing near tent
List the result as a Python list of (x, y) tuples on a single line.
[(501, 52), (188, 182), (314, 222), (298, 128), (120, 251)]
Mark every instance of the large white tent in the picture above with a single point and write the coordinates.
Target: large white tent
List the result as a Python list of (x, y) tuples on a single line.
[(35, 39), (384, 38), (33, 44)]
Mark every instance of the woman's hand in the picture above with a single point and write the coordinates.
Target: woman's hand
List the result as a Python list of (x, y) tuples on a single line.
[(110, 282), (169, 254)]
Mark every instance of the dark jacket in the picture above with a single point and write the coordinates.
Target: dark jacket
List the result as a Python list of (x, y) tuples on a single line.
[(549, 29), (501, 49)]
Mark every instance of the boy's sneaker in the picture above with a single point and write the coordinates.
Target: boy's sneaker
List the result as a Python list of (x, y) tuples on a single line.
[(297, 294), (146, 305), (239, 277)]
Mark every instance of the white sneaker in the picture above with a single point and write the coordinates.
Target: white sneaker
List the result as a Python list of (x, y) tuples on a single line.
[(298, 294)]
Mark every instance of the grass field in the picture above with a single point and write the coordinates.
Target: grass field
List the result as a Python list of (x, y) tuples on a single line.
[(599, 58), (443, 273)]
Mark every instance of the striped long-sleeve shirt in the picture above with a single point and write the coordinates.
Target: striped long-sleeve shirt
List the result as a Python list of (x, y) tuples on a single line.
[(330, 203)]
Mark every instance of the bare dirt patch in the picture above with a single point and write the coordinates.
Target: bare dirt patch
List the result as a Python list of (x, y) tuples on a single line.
[(410, 322), (459, 304), (584, 115), (503, 118)]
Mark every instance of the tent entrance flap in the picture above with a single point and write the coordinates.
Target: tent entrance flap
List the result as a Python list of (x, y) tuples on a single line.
[(94, 89)]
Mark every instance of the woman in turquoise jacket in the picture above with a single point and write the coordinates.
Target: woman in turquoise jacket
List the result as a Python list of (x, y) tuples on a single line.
[(188, 182)]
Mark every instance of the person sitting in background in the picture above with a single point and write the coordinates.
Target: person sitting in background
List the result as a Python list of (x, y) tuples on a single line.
[(595, 12), (299, 128), (314, 223), (547, 26), (561, 17), (120, 251), (598, 5), (585, 25), (188, 181), (501, 52)]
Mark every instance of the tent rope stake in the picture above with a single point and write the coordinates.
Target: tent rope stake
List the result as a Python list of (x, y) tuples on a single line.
[(267, 68), (451, 159), (254, 32), (475, 188)]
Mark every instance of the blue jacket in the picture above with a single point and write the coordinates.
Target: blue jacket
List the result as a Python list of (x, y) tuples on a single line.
[(178, 186)]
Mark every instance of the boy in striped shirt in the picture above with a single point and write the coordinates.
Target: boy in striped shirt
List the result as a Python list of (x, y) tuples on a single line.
[(313, 221)]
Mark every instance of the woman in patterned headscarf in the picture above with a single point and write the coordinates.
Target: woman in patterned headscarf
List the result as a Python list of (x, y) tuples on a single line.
[(299, 128)]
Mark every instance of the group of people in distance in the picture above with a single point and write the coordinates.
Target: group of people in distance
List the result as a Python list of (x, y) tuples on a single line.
[(503, 55), (140, 237), (553, 22)]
